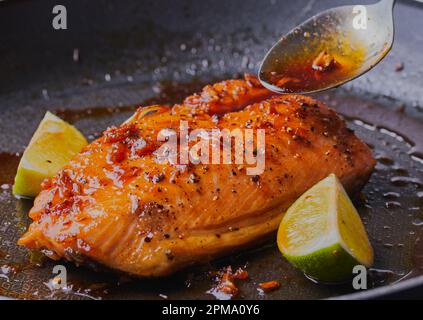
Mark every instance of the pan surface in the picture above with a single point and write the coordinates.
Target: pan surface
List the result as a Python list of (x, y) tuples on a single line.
[(116, 55)]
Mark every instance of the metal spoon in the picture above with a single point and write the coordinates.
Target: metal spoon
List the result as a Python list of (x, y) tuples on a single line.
[(329, 49)]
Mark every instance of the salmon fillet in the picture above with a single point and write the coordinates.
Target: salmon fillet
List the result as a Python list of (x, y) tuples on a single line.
[(117, 205)]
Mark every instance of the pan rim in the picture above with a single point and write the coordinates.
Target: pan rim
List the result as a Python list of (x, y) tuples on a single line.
[(374, 293), (383, 291)]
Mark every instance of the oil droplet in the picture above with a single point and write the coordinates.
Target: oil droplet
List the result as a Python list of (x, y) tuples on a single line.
[(400, 171), (400, 181), (392, 204), (418, 222), (383, 159), (391, 195), (380, 276)]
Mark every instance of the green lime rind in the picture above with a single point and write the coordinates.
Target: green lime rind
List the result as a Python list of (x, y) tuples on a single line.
[(322, 233), (330, 264)]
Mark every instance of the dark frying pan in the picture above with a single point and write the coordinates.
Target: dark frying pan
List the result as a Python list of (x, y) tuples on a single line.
[(117, 54)]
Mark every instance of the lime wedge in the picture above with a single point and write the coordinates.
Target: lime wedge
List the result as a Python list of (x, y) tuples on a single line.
[(322, 234), (53, 144)]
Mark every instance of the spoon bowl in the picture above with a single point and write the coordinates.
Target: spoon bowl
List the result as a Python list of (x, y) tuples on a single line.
[(329, 49)]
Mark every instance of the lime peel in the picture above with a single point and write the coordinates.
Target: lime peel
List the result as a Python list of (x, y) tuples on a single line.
[(322, 233)]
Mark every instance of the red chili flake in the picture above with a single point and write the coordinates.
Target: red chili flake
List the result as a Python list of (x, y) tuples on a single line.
[(324, 62), (301, 112), (119, 134), (130, 173), (46, 184), (226, 282), (63, 208), (118, 153), (399, 67), (269, 286), (241, 274), (137, 147), (228, 287), (252, 80), (67, 188)]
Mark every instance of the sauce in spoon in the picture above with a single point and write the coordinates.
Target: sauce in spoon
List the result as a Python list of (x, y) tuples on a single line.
[(315, 70), (329, 49)]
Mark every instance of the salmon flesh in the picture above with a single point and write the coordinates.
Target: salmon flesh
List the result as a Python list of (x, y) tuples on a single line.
[(120, 204)]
